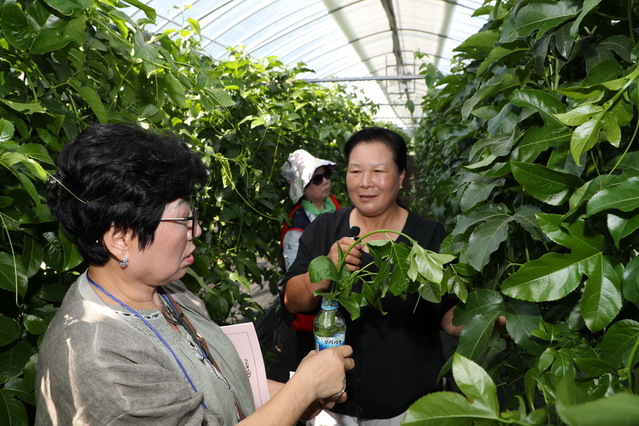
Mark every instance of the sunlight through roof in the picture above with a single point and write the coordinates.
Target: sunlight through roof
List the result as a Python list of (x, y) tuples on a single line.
[(369, 45)]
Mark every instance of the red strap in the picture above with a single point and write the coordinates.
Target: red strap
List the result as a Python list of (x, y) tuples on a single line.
[(303, 323)]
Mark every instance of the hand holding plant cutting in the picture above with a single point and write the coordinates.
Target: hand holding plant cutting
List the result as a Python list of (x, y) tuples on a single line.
[(402, 270)]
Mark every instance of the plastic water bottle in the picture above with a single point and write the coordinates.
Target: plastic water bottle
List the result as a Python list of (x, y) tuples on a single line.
[(329, 326)]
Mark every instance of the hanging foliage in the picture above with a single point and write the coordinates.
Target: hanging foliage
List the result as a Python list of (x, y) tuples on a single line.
[(536, 174)]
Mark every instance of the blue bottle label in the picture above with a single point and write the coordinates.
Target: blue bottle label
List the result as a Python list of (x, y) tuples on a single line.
[(322, 343)]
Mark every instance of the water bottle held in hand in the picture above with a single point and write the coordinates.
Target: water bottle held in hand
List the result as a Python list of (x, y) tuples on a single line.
[(329, 326)]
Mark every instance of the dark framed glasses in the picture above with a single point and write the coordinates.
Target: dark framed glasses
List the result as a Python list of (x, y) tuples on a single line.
[(192, 219), (319, 178)]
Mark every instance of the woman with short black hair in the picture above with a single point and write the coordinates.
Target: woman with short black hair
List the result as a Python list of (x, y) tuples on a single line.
[(130, 344)]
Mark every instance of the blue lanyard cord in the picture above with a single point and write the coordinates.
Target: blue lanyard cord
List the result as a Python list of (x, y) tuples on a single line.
[(157, 333)]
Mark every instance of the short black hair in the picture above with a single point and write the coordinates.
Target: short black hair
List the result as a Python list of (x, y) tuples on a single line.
[(120, 175), (392, 140)]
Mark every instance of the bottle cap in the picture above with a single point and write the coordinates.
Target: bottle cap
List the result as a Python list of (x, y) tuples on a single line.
[(329, 305)]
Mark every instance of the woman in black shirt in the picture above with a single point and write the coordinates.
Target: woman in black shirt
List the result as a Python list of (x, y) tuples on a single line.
[(398, 355)]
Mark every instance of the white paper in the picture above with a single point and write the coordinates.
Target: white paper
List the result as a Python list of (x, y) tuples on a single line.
[(244, 338)]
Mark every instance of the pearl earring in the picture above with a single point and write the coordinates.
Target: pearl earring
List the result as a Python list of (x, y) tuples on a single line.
[(124, 262)]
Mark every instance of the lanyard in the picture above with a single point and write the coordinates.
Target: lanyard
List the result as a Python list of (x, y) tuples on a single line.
[(157, 333), (180, 318)]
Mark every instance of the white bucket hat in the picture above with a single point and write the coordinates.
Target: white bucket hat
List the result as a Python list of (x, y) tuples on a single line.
[(298, 171)]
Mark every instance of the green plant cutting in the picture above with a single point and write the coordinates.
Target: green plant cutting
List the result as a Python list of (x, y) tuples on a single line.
[(400, 270)]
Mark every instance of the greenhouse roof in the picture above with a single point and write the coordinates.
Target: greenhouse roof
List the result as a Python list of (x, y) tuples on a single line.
[(369, 44)]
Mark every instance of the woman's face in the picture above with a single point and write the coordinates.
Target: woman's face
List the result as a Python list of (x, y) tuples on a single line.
[(171, 252), (373, 179), (317, 193)]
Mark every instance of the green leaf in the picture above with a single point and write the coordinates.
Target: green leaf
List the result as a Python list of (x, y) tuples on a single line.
[(619, 44), (221, 98), (322, 268), (35, 325), (427, 264), (619, 341), (399, 277), (616, 410), (485, 240), (17, 28), (526, 217), (550, 277), (611, 130), (13, 359), (148, 11), (588, 6), (563, 363), (444, 409), (537, 140), (547, 185), (6, 130), (49, 40), (72, 257), (624, 197), (497, 55), (543, 102), (32, 255), (478, 316), (12, 275), (630, 284), (621, 227), (35, 151), (483, 40), (493, 86), (352, 305), (479, 215), (585, 136), (547, 358), (573, 235), (601, 300), (60, 253), (372, 293), (9, 330), (65, 7), (12, 411), (522, 319), (537, 17), (175, 90), (142, 50), (478, 191), (476, 384), (454, 283), (92, 98), (579, 115), (25, 107)]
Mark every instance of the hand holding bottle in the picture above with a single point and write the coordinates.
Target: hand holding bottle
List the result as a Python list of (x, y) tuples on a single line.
[(325, 371)]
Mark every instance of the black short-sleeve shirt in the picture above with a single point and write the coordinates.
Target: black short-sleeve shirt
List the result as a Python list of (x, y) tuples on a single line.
[(398, 355)]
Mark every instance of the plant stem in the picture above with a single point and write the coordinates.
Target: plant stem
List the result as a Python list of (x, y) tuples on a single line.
[(631, 361)]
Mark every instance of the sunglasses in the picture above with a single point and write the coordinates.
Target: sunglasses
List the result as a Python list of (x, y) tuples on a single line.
[(319, 178)]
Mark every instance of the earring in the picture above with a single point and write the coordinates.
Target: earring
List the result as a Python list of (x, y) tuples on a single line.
[(124, 262)]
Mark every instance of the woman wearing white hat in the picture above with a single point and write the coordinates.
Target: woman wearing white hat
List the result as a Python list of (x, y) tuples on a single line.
[(310, 191)]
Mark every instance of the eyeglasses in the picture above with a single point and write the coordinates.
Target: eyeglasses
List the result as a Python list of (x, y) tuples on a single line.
[(319, 178), (192, 218)]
